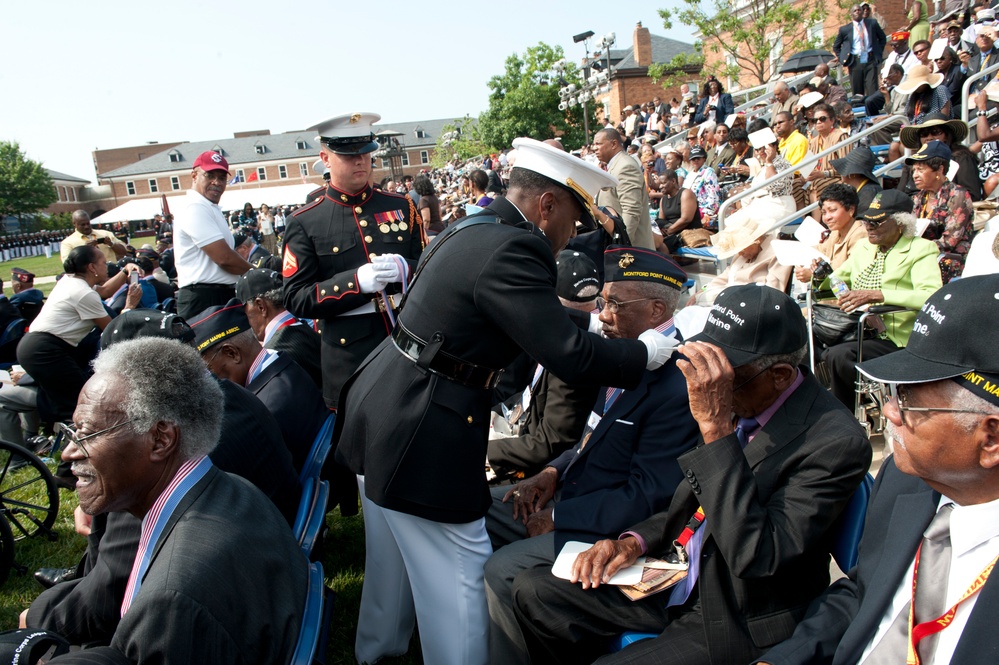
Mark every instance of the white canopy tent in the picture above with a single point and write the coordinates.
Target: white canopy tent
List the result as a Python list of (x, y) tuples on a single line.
[(234, 198)]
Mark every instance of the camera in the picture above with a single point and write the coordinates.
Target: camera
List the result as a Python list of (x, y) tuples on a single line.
[(822, 270)]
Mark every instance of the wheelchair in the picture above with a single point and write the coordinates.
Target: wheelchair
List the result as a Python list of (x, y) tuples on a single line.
[(29, 501)]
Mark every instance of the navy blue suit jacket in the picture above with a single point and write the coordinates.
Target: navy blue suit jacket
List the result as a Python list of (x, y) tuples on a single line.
[(725, 108), (627, 471)]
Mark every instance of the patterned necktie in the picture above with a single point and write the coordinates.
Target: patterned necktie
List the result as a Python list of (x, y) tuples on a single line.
[(931, 595)]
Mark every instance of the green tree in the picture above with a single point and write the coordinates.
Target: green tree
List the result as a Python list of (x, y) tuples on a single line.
[(25, 186), (747, 31), (524, 101), (460, 138)]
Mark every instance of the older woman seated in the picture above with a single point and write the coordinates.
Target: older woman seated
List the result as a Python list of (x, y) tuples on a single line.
[(754, 260), (839, 210), (945, 204), (893, 268)]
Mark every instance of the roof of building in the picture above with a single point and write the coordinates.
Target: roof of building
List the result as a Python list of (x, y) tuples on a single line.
[(56, 175), (300, 144)]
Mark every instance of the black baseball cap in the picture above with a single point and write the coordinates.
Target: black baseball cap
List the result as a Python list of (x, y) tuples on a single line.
[(137, 323), (752, 320), (578, 279), (885, 203), (950, 340), (257, 282)]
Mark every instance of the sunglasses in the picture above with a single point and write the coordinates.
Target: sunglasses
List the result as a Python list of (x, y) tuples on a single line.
[(918, 53), (874, 223), (822, 118)]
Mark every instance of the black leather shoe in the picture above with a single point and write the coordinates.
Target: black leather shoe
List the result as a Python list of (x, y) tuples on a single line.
[(49, 577)]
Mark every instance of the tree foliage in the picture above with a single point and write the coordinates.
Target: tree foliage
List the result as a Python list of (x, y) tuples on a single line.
[(460, 138), (678, 70), (25, 186), (747, 30), (524, 101)]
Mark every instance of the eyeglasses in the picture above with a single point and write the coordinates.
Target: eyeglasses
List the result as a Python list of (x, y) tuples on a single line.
[(612, 306), (811, 121), (874, 223), (70, 432), (822, 118), (919, 53), (900, 393), (751, 379)]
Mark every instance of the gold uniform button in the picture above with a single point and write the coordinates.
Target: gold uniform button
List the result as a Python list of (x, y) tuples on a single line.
[(368, 238), (363, 223), (336, 289), (400, 238), (342, 341), (470, 420), (336, 250), (372, 255), (343, 197), (357, 209), (323, 292), (350, 285), (320, 332)]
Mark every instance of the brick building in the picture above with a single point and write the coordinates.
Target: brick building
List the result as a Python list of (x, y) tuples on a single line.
[(261, 159), (70, 191), (629, 81), (892, 13)]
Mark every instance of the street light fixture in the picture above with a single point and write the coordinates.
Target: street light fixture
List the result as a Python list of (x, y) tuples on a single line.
[(597, 82)]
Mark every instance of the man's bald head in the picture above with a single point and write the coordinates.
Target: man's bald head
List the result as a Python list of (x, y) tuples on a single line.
[(81, 222), (555, 143)]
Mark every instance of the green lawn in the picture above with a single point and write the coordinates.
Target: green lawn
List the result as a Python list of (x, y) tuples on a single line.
[(343, 563)]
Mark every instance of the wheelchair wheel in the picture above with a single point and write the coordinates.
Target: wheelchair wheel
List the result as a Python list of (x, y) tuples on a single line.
[(29, 495), (6, 549)]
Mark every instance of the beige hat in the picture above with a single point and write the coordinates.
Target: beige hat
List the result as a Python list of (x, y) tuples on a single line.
[(918, 76), (734, 239)]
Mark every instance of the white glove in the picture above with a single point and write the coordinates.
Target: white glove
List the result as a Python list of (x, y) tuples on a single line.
[(660, 347), (388, 268), (368, 279), (596, 325)]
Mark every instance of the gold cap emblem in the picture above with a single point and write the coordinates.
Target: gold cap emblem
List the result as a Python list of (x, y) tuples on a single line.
[(626, 260), (355, 118)]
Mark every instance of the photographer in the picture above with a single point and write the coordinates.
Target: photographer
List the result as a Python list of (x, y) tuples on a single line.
[(715, 104)]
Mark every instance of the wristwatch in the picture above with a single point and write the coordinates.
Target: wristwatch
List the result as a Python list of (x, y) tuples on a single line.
[(981, 113)]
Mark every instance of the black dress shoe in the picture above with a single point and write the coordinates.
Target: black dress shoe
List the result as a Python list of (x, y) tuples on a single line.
[(49, 577)]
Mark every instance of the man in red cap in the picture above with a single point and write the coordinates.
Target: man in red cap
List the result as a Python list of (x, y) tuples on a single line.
[(207, 265)]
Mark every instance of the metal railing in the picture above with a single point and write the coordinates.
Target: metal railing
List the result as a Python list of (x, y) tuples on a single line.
[(805, 162), (966, 90)]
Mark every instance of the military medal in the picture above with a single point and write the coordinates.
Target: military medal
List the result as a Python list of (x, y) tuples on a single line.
[(384, 228), (403, 226), (394, 227)]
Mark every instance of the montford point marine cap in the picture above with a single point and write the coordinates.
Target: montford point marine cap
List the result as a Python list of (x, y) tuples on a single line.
[(698, 152), (218, 323), (348, 134), (633, 264), (582, 179), (211, 161), (256, 282), (887, 202), (942, 348), (752, 320), (21, 275), (929, 151), (136, 323), (578, 280)]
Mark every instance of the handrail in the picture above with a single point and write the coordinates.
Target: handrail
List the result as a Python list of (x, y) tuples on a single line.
[(812, 206), (966, 89), (676, 138), (805, 162)]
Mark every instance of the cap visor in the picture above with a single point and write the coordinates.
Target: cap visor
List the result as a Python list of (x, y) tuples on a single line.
[(906, 367), (736, 357), (586, 219), (358, 148)]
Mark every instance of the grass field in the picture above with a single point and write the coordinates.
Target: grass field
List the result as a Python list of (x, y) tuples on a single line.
[(343, 563)]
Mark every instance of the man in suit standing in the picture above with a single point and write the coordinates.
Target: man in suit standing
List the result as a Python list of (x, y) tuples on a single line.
[(622, 470), (987, 56), (932, 531), (859, 46), (753, 520), (630, 198), (421, 470)]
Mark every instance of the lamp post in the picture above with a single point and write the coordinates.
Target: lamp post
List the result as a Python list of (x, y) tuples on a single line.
[(593, 83)]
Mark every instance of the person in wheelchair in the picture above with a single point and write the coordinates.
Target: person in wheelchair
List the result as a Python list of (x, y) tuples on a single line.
[(892, 268)]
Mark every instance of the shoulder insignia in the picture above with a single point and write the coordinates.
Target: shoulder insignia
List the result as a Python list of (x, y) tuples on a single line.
[(290, 265)]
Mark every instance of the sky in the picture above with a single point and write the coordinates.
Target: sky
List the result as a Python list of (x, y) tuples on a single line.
[(108, 74)]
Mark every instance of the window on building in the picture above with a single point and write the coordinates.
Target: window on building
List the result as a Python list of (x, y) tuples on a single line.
[(424, 157), (174, 183), (174, 156), (303, 168), (385, 163), (405, 159), (217, 148), (130, 187), (73, 194), (282, 171), (260, 148), (815, 34), (301, 144), (420, 133), (240, 175), (776, 52), (730, 64), (261, 173), (153, 187), (62, 193)]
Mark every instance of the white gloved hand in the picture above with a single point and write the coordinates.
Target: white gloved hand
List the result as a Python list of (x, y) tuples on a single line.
[(368, 279), (660, 347), (596, 325), (388, 267)]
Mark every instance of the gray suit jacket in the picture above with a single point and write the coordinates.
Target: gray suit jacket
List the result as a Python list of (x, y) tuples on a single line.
[(630, 198)]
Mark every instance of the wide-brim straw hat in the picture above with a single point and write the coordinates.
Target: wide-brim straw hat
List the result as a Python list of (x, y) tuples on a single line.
[(859, 161), (734, 239), (917, 76), (909, 136)]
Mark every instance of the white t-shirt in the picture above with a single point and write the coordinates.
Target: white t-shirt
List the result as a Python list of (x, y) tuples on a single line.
[(70, 310), (199, 223)]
